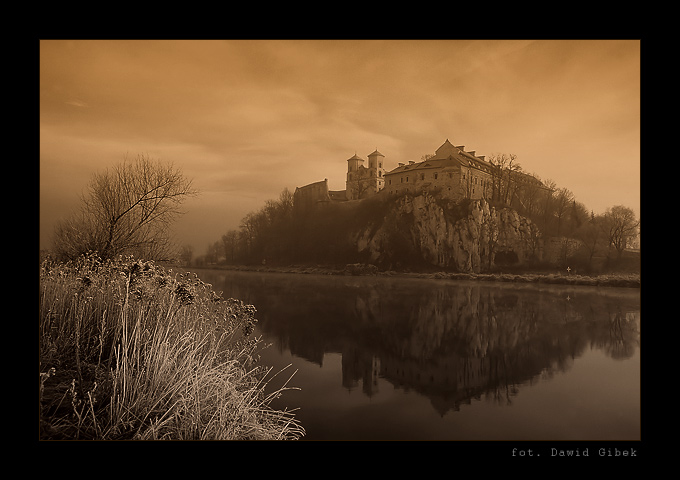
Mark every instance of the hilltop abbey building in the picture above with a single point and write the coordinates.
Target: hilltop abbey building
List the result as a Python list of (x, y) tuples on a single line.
[(451, 172)]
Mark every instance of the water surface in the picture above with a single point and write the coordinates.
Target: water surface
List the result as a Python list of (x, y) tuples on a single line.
[(387, 358)]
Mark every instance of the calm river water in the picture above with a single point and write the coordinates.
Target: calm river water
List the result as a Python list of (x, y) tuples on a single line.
[(387, 358)]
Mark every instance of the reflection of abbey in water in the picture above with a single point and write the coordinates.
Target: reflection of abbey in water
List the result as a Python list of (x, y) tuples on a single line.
[(458, 344), (450, 342), (476, 341)]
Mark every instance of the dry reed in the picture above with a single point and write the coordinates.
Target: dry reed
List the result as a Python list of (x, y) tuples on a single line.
[(131, 350)]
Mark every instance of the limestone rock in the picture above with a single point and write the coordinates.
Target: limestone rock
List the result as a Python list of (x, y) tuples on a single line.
[(471, 238)]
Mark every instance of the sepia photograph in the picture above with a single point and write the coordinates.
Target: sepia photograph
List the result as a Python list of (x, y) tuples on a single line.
[(341, 240)]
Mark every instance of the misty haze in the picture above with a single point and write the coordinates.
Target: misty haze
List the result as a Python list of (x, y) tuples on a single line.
[(340, 240)]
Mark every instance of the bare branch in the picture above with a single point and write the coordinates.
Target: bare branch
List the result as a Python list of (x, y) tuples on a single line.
[(131, 205)]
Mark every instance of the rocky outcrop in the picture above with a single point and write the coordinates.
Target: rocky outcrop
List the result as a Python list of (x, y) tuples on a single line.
[(472, 237)]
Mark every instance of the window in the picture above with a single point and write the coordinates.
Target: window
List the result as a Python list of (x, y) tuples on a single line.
[(436, 175), (406, 179), (422, 176)]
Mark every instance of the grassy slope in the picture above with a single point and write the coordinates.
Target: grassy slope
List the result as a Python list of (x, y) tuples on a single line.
[(130, 350)]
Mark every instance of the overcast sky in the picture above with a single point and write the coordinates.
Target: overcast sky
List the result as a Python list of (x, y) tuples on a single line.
[(246, 119)]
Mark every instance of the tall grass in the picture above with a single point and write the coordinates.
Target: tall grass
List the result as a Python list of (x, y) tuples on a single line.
[(131, 350)]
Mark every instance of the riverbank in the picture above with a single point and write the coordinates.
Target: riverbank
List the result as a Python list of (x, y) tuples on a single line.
[(628, 280), (130, 350)]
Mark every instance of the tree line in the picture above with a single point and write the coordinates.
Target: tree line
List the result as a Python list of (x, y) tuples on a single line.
[(278, 233), (129, 209), (266, 233), (558, 213), (275, 233)]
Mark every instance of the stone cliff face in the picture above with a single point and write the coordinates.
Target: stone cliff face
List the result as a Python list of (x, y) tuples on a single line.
[(470, 238)]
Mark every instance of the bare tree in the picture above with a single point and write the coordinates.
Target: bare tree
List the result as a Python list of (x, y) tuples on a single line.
[(546, 205), (212, 254), (286, 203), (186, 254), (362, 181), (230, 245), (128, 209), (564, 200), (529, 194), (591, 237), (249, 232), (76, 235), (620, 227), (503, 176)]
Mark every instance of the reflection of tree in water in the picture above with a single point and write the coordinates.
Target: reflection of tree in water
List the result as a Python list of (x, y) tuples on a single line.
[(463, 343), (453, 342), (621, 338)]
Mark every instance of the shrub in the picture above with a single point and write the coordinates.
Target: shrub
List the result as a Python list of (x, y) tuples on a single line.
[(131, 350)]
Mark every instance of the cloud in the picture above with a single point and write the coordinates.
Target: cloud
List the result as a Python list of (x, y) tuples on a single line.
[(76, 103), (246, 119)]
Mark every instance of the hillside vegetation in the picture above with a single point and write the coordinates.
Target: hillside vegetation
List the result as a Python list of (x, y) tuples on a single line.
[(280, 235)]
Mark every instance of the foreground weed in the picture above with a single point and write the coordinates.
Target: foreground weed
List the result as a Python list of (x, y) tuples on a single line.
[(132, 350)]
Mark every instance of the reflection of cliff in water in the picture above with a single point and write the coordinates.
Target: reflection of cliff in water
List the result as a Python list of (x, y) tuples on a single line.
[(452, 342), (465, 342)]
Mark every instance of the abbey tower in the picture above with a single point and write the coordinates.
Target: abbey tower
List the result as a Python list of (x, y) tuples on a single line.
[(364, 181)]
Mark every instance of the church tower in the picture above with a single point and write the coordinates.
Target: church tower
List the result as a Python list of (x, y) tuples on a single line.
[(376, 171), (355, 171)]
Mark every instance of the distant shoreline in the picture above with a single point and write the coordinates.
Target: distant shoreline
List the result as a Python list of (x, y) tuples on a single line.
[(628, 280)]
